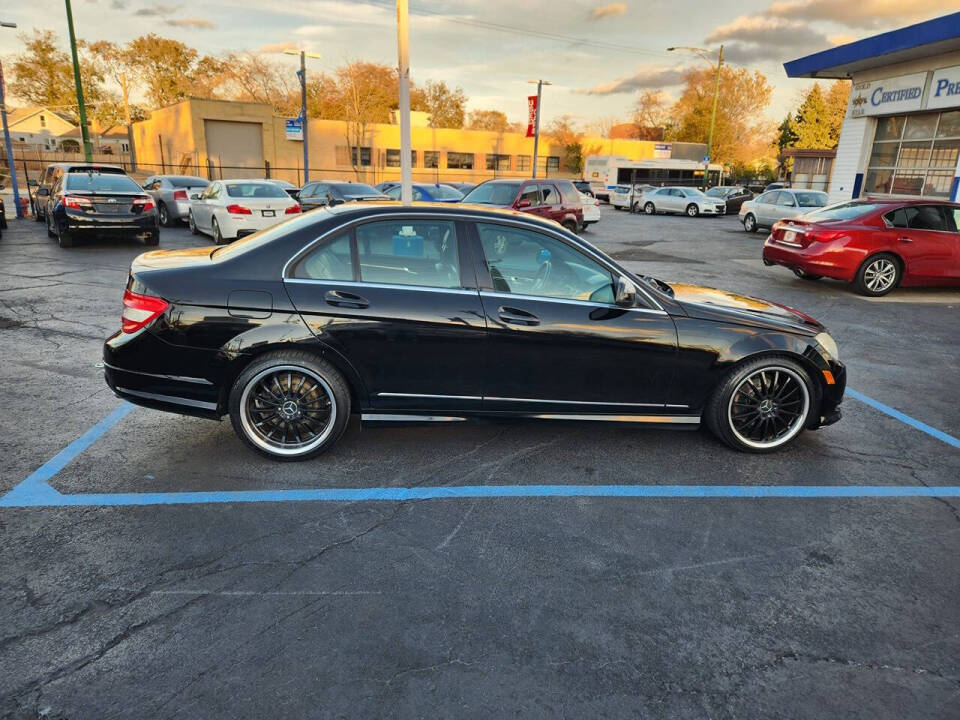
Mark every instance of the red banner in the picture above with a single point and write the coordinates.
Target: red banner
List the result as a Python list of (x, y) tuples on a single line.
[(531, 115)]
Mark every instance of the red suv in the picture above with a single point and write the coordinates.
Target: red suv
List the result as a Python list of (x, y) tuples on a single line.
[(875, 244), (556, 200)]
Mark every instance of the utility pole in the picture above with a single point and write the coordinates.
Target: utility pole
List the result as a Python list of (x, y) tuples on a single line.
[(6, 136), (126, 120), (403, 53), (84, 131), (704, 53), (302, 73), (536, 122)]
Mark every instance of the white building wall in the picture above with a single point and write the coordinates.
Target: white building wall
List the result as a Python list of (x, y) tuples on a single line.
[(853, 153)]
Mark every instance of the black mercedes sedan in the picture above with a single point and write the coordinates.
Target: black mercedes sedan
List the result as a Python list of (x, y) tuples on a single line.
[(441, 312)]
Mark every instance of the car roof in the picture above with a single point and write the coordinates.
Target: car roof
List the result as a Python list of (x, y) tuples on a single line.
[(434, 208), (906, 201), (79, 166)]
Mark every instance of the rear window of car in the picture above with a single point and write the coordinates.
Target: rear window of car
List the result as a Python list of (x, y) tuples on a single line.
[(97, 182), (811, 199), (493, 193), (445, 192), (254, 190), (356, 189), (102, 170), (187, 182), (845, 211)]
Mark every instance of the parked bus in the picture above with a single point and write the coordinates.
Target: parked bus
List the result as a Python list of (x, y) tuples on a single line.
[(605, 172)]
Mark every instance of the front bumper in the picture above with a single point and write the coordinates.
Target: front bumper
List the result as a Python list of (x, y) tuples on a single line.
[(832, 398), (713, 209)]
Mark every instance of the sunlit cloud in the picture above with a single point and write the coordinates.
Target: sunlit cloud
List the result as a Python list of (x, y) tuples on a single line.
[(611, 10), (194, 23), (865, 14), (646, 79)]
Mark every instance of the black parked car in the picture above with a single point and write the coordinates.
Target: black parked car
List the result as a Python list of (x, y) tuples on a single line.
[(52, 174), (324, 194), (400, 313), (100, 204), (734, 195)]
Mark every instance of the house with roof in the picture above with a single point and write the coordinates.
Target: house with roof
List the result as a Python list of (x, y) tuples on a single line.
[(38, 126)]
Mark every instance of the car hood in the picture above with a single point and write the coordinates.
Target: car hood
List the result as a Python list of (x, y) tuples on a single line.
[(712, 304)]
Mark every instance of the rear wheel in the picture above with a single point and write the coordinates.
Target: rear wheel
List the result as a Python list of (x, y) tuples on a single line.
[(164, 214), (37, 217), (192, 224), (762, 406), (750, 223), (289, 405), (878, 275), (50, 232), (570, 225), (217, 235), (64, 239), (693, 210), (649, 209)]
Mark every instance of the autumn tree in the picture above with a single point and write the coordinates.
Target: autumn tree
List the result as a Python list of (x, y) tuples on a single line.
[(493, 120), (564, 130), (741, 133), (446, 106), (170, 71), (255, 78), (651, 115), (367, 92)]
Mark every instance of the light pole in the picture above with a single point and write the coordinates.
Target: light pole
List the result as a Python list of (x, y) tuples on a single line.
[(702, 52), (536, 122), (84, 131), (6, 136), (303, 107), (403, 77)]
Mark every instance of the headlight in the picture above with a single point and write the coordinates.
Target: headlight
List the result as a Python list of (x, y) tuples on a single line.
[(828, 344)]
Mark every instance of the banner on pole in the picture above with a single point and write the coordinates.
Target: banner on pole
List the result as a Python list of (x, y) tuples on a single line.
[(531, 115)]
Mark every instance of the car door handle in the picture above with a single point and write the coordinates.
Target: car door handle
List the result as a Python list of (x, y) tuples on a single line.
[(338, 298), (513, 316), (906, 239)]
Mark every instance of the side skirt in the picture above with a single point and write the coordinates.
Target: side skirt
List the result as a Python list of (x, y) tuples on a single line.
[(678, 421)]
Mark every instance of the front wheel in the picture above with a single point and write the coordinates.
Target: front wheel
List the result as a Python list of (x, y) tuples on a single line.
[(194, 230), (878, 275), (289, 405), (649, 209), (762, 406), (692, 210), (750, 223)]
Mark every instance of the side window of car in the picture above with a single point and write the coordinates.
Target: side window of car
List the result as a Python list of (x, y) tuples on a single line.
[(531, 193), (417, 195), (765, 198), (526, 262), (409, 252), (786, 199), (550, 195), (394, 192), (928, 217), (331, 261), (898, 218), (952, 216)]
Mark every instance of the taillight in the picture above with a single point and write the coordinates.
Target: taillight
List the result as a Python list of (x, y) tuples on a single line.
[(140, 310), (291, 210), (75, 202), (180, 195), (239, 210), (143, 204), (821, 235)]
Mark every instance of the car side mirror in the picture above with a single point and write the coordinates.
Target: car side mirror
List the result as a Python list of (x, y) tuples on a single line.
[(43, 192), (523, 203), (626, 293)]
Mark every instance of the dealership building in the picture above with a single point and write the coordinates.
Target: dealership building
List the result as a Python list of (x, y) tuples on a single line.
[(901, 133)]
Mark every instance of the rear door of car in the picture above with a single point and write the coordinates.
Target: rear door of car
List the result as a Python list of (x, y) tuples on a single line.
[(396, 296), (924, 236), (552, 203)]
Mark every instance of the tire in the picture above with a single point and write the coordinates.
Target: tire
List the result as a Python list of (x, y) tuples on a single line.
[(750, 223), (692, 210), (570, 225), (785, 394), (285, 374), (194, 230), (65, 240), (617, 207), (36, 213), (878, 275), (50, 232), (164, 213), (806, 276), (635, 208), (217, 235), (649, 209)]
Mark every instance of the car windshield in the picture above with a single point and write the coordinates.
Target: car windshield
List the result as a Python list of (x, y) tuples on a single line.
[(187, 182), (489, 193), (95, 182), (356, 189), (717, 192), (255, 190), (445, 192), (845, 211), (811, 199)]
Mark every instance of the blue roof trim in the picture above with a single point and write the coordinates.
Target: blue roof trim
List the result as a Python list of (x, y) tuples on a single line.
[(913, 36)]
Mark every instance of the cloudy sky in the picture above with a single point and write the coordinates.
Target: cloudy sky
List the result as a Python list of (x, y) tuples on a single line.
[(597, 54)]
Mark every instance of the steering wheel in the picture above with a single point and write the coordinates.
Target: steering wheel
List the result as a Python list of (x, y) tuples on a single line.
[(543, 274)]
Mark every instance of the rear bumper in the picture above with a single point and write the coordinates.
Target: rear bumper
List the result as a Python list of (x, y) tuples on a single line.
[(125, 225), (816, 259)]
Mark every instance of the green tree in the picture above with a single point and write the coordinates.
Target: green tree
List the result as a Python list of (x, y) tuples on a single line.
[(785, 136), (493, 120), (810, 125), (447, 107)]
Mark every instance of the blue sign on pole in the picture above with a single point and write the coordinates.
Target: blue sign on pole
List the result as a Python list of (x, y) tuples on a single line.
[(295, 129)]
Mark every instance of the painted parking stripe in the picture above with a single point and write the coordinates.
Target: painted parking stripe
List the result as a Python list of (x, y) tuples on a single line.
[(904, 418)]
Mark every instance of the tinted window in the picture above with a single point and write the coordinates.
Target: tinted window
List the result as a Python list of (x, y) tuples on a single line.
[(355, 189), (926, 217), (445, 192), (531, 193), (786, 199), (409, 252), (330, 261), (95, 182), (493, 193), (254, 190), (810, 199), (529, 263)]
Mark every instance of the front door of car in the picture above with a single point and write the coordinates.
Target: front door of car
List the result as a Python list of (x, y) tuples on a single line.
[(766, 207), (529, 200), (678, 201), (551, 203), (557, 342), (786, 207), (396, 299), (924, 236)]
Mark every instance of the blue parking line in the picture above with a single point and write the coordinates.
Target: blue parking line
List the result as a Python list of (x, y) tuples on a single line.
[(904, 418)]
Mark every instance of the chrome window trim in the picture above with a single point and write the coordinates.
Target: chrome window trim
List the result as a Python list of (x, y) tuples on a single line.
[(408, 417), (578, 402), (567, 301), (506, 221), (383, 286)]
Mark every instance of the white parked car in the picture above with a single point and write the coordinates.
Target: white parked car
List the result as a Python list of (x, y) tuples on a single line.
[(622, 197), (591, 209), (230, 209), (773, 205), (687, 200)]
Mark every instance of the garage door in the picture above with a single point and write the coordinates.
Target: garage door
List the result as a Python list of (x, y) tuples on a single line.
[(235, 148)]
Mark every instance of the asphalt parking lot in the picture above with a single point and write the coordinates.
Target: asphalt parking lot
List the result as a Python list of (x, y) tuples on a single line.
[(803, 605)]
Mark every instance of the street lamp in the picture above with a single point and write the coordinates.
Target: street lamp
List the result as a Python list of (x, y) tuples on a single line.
[(6, 136), (303, 107), (705, 54), (536, 123)]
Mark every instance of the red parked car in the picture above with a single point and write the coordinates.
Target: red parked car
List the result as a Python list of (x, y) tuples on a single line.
[(554, 199), (877, 245)]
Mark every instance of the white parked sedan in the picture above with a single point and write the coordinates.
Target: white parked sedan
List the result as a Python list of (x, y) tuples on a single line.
[(682, 200), (229, 209), (591, 209)]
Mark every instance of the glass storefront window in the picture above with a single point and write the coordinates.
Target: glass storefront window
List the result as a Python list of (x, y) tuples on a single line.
[(914, 155)]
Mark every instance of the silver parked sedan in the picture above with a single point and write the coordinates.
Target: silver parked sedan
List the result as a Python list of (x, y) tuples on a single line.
[(764, 210), (171, 194)]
